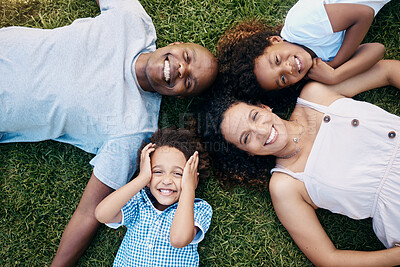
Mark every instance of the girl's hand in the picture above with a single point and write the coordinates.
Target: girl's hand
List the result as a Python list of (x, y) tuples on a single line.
[(190, 174), (322, 72), (145, 163)]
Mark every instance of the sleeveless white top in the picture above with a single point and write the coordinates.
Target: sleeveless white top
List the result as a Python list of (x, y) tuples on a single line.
[(354, 165)]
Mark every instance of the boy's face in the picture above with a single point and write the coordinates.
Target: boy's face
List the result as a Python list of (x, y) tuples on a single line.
[(181, 69), (167, 165), (282, 64)]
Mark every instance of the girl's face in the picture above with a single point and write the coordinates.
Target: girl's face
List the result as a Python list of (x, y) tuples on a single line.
[(167, 165), (254, 129), (281, 65)]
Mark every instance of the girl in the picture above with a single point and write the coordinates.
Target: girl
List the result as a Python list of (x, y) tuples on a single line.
[(165, 221), (333, 153), (320, 39)]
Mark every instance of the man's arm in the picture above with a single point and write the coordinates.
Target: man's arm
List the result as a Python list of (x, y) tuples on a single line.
[(83, 225)]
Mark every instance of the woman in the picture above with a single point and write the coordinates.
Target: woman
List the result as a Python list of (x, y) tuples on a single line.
[(333, 153)]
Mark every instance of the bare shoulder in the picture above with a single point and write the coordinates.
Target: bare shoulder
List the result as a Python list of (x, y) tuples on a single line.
[(286, 191), (319, 93), (282, 184)]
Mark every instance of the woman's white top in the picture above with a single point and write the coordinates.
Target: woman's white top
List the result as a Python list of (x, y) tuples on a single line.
[(354, 165)]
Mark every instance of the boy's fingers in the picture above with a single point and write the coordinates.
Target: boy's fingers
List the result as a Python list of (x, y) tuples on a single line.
[(196, 161)]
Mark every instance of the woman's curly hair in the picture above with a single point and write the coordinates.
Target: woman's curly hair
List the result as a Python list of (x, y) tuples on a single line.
[(230, 164), (185, 141)]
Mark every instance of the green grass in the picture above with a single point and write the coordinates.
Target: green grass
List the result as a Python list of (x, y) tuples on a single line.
[(41, 183)]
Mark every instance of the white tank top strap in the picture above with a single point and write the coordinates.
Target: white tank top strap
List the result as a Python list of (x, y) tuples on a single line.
[(280, 168), (317, 107)]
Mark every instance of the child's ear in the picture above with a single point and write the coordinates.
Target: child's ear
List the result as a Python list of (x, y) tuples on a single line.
[(275, 39)]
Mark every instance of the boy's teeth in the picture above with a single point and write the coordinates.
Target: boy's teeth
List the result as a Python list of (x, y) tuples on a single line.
[(271, 136), (166, 70), (165, 191), (298, 63)]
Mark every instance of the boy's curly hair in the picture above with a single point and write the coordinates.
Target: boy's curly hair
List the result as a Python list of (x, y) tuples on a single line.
[(230, 164), (183, 140), (237, 50)]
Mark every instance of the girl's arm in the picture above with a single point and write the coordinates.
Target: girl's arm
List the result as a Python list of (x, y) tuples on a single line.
[(355, 19), (383, 73), (300, 220), (363, 59), (109, 210), (183, 229)]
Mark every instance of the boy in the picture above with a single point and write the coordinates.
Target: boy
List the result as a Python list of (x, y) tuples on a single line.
[(94, 84), (165, 221)]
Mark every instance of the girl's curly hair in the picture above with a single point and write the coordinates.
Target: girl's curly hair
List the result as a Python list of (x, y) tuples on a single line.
[(183, 140), (237, 50), (230, 164)]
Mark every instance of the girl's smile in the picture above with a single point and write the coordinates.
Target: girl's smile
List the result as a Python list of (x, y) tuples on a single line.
[(282, 64)]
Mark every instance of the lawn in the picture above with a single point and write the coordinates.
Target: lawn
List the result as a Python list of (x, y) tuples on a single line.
[(41, 183)]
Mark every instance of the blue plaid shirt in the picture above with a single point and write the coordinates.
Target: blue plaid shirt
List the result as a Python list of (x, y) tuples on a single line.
[(146, 242)]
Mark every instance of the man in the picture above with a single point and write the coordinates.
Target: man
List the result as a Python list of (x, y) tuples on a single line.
[(95, 84)]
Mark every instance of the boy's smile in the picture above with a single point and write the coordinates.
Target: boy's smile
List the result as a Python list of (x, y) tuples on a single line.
[(167, 165)]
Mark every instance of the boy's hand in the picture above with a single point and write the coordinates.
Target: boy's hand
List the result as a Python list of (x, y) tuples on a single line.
[(322, 72), (145, 164), (190, 174)]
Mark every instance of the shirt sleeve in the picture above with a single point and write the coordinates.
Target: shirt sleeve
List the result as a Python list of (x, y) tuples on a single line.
[(306, 22), (202, 219), (129, 212), (133, 5), (115, 161)]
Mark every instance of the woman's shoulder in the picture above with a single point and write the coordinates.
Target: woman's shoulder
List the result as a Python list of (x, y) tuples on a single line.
[(281, 184), (319, 93), (287, 190)]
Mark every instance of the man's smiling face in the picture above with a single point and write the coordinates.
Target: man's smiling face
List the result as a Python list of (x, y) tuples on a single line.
[(181, 69)]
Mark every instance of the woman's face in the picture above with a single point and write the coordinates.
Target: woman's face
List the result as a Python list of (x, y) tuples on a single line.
[(281, 65), (254, 129)]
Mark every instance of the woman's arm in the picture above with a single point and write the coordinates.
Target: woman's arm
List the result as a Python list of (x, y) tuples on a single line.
[(109, 210), (383, 73), (299, 218), (183, 229)]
